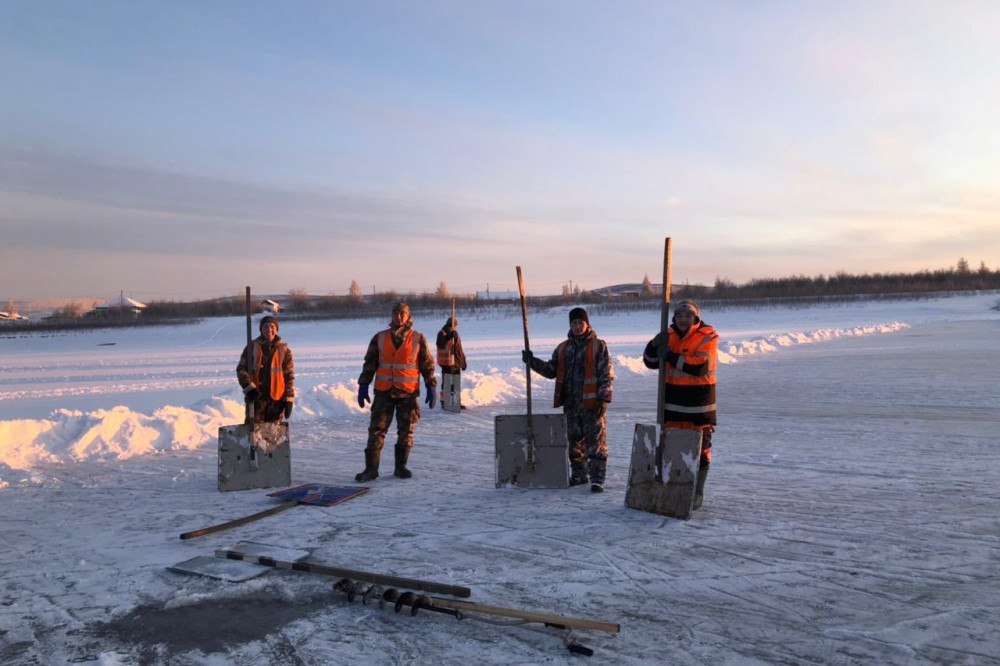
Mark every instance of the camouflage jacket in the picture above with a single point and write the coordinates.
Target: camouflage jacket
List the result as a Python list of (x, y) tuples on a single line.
[(573, 384)]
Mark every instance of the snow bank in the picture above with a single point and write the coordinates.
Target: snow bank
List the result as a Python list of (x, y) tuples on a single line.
[(730, 352), (112, 434), (770, 343), (119, 433)]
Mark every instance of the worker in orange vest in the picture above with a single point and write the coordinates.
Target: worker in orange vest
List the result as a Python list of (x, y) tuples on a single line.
[(689, 350), (581, 366), (450, 357), (396, 360), (268, 381)]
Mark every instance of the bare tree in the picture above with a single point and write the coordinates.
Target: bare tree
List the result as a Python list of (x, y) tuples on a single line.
[(72, 310), (442, 291), (354, 291), (299, 297), (647, 286), (963, 266)]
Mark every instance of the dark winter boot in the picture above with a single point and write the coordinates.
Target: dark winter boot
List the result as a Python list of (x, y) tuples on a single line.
[(699, 489), (371, 466), (402, 453)]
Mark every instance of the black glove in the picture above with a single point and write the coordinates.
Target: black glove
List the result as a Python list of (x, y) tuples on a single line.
[(252, 395), (526, 356), (363, 395), (288, 409), (432, 396), (670, 358), (602, 409)]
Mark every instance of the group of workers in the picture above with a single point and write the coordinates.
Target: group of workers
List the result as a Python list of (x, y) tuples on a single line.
[(398, 358)]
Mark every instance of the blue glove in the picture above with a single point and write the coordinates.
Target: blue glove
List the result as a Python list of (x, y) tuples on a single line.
[(432, 396), (363, 395)]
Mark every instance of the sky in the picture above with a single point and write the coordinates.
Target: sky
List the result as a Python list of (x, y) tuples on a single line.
[(182, 150)]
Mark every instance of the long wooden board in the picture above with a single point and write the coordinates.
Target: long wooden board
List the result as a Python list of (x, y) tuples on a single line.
[(366, 576)]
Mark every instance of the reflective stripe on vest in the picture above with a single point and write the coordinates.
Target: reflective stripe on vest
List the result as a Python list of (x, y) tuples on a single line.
[(446, 354), (692, 347), (589, 374), (397, 368), (690, 401), (277, 377)]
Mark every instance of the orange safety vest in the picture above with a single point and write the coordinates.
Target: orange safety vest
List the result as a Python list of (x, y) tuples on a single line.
[(397, 367), (589, 374), (446, 354), (690, 400), (277, 387)]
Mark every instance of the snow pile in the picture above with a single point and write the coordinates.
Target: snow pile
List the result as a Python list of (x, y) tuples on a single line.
[(729, 352), (112, 434), (770, 343), (121, 432)]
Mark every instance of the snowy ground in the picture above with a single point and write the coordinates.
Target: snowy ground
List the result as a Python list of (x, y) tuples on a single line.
[(852, 513)]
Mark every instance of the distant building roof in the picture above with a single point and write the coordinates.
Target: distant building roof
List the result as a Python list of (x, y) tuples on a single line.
[(123, 302), (268, 304), (629, 289), (498, 295)]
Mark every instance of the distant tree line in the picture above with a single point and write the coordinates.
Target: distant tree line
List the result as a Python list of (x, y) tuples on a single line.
[(798, 289), (959, 278)]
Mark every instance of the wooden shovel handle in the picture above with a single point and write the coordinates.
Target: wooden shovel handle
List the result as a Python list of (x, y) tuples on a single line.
[(240, 521), (527, 371), (527, 347)]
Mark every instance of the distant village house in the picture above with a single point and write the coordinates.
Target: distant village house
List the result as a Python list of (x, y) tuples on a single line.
[(123, 304)]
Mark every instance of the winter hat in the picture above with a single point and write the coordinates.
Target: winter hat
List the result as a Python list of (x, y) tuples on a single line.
[(401, 307), (578, 313), (268, 320), (687, 305)]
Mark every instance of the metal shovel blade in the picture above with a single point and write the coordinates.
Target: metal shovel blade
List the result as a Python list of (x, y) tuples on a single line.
[(545, 465), (451, 393), (680, 451), (273, 462)]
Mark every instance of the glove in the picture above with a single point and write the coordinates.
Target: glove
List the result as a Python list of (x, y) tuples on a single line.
[(432, 396), (288, 409), (661, 343), (252, 395), (363, 395), (602, 409), (527, 356)]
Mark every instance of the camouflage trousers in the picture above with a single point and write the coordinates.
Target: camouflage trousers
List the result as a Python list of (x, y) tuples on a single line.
[(407, 413), (266, 410), (588, 444)]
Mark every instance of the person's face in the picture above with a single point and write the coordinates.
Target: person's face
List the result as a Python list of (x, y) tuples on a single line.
[(400, 317), (578, 326), (269, 330), (684, 319)]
